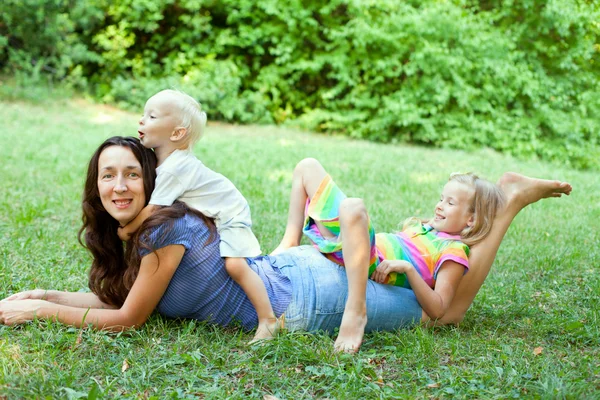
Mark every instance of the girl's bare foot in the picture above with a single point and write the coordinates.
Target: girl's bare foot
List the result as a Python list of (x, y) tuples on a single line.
[(267, 329), (522, 190), (352, 330)]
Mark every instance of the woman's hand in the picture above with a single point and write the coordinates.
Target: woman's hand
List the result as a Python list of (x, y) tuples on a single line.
[(19, 311), (36, 294), (386, 266)]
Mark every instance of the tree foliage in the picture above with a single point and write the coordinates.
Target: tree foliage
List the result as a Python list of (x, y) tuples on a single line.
[(517, 76)]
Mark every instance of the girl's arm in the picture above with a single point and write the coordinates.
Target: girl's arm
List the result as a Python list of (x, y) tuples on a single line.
[(126, 231), (435, 302), (156, 271)]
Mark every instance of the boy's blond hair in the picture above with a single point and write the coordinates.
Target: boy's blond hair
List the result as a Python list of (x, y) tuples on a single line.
[(193, 119)]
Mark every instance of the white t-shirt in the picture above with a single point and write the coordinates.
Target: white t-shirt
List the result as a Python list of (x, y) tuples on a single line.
[(182, 176), (185, 178)]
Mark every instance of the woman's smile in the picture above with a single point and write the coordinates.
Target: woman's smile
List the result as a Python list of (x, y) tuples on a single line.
[(122, 203), (120, 183)]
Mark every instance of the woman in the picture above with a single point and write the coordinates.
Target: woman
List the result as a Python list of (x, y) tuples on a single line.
[(173, 264)]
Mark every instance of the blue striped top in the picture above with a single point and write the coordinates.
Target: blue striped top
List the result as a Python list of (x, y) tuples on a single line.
[(201, 288)]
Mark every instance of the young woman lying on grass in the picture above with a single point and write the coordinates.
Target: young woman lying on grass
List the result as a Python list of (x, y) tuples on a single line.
[(172, 263)]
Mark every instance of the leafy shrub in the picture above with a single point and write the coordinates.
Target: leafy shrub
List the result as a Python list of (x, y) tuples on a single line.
[(215, 83), (519, 77), (43, 36)]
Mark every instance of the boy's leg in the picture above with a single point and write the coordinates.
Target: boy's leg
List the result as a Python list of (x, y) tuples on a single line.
[(520, 192), (255, 289), (354, 226), (307, 177)]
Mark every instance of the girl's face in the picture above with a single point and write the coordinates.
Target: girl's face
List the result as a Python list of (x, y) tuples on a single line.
[(120, 183), (452, 212)]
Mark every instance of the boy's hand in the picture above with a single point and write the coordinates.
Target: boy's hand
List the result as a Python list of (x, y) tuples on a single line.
[(386, 266), (123, 233)]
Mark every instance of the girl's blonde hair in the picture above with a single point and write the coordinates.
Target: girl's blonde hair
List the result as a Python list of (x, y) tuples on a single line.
[(193, 119), (488, 198)]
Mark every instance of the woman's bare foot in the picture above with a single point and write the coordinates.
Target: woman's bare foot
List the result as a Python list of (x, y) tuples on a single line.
[(352, 330), (267, 329), (522, 190)]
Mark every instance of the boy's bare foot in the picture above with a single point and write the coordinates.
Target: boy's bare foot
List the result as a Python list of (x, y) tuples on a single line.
[(522, 190), (266, 330), (352, 330)]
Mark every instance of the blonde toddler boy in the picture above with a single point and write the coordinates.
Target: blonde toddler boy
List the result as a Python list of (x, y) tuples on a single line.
[(171, 124)]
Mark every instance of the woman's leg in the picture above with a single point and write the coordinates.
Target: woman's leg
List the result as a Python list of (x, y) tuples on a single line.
[(308, 175), (520, 192)]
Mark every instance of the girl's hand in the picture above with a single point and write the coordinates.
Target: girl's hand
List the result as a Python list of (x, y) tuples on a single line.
[(19, 311), (386, 266), (36, 294)]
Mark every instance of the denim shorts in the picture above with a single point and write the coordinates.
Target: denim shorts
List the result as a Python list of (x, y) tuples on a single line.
[(320, 290)]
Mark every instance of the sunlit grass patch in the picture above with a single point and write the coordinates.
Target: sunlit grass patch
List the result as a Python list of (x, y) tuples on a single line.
[(532, 331)]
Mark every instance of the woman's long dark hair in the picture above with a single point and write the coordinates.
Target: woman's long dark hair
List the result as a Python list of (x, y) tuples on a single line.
[(100, 238), (115, 267)]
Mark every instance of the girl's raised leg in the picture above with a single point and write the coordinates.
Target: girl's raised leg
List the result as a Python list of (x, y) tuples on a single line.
[(520, 191), (354, 229), (307, 177)]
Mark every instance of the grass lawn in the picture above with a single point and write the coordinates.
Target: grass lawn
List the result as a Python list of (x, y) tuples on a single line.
[(533, 331)]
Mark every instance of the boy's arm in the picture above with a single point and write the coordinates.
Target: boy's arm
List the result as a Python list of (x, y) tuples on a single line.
[(126, 231)]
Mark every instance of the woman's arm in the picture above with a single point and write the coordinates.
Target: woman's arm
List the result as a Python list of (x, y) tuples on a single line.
[(435, 302), (156, 271), (73, 299)]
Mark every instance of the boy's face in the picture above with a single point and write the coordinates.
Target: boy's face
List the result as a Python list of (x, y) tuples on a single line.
[(160, 120)]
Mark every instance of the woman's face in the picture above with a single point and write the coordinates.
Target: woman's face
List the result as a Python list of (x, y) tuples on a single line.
[(120, 183)]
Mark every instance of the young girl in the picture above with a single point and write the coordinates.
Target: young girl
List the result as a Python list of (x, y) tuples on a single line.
[(428, 257), (171, 124)]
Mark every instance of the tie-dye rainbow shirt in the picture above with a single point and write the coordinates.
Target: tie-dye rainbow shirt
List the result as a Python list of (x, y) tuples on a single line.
[(421, 245)]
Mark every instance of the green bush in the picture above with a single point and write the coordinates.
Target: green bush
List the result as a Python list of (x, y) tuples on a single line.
[(519, 77), (45, 36)]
